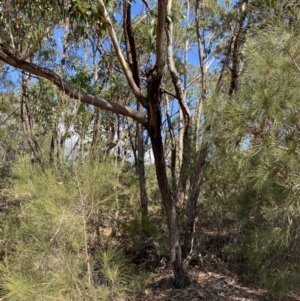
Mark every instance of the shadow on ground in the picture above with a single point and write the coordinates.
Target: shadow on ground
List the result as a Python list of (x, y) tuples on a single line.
[(205, 286)]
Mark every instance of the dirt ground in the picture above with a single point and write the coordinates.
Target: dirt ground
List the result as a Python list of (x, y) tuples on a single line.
[(212, 278), (208, 286)]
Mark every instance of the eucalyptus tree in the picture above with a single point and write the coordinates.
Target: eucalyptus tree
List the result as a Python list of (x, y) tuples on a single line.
[(156, 73)]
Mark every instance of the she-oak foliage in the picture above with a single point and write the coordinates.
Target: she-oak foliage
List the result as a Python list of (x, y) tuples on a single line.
[(258, 133), (48, 254), (242, 127)]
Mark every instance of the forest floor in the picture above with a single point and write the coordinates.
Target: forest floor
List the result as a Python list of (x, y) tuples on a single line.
[(209, 286), (213, 278)]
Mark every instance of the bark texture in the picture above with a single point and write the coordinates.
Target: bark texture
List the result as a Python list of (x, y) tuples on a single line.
[(169, 202)]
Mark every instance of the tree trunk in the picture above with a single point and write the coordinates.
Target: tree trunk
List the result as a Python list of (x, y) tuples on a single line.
[(189, 227), (96, 136), (142, 176), (154, 128), (27, 122), (192, 205), (133, 60), (57, 140)]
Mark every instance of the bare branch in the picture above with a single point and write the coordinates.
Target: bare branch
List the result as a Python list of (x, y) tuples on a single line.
[(173, 145), (160, 62), (132, 54), (146, 4), (173, 71), (163, 90), (202, 58), (234, 50), (203, 68), (126, 69), (238, 42), (46, 73), (186, 139)]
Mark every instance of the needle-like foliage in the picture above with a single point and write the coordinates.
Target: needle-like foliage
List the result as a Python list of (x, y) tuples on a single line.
[(54, 248)]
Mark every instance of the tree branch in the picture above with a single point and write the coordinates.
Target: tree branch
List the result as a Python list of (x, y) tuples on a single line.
[(126, 69), (173, 145), (131, 50), (238, 42), (33, 46), (180, 95), (173, 71), (160, 62), (233, 52), (46, 73)]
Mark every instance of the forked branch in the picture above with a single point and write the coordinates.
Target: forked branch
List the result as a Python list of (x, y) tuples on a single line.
[(126, 69)]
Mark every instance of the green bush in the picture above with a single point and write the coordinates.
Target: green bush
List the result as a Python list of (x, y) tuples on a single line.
[(49, 246)]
